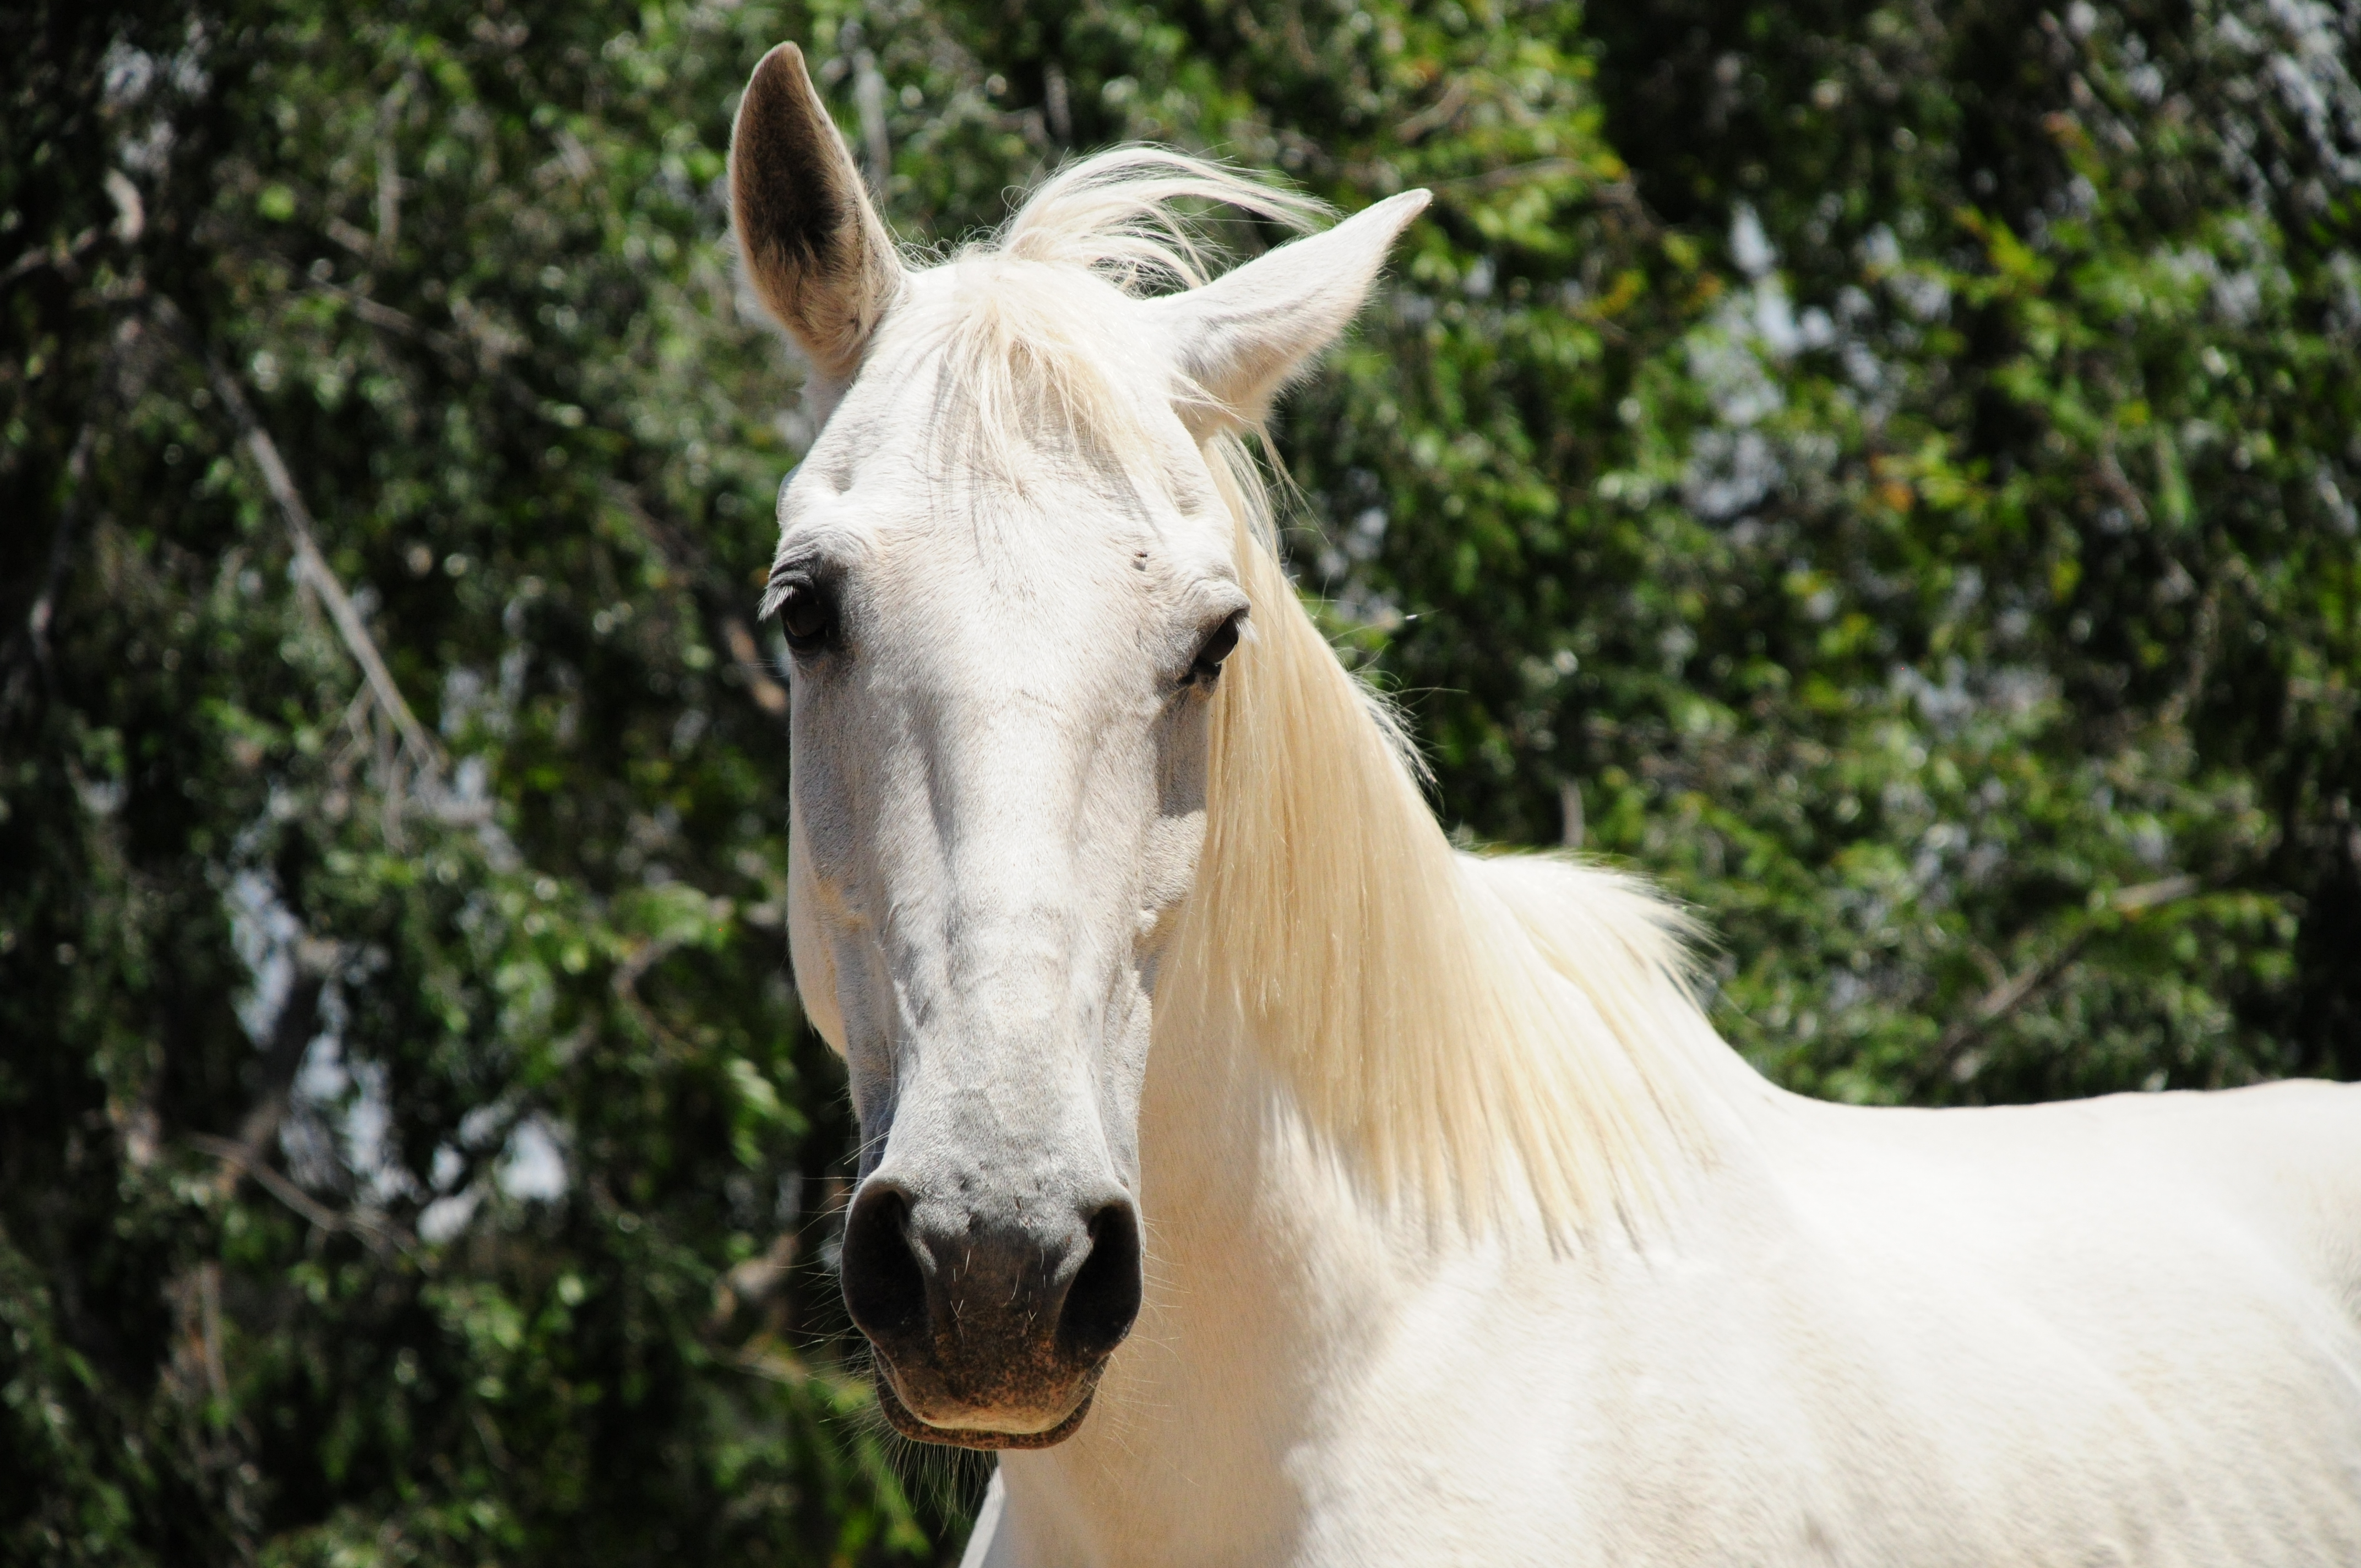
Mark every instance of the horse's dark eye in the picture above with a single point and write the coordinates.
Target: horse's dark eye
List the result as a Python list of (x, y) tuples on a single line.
[(1207, 665), (807, 615)]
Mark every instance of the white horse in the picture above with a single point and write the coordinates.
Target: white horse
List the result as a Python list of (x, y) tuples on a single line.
[(1432, 1221)]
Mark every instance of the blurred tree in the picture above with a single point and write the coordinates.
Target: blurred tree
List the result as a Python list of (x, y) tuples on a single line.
[(411, 1147), (1889, 471)]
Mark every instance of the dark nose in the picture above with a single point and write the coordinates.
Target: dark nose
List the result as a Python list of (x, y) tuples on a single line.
[(990, 1313)]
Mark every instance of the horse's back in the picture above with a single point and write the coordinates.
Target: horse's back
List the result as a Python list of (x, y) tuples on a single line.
[(2148, 1306), (2285, 1158), (2272, 1173)]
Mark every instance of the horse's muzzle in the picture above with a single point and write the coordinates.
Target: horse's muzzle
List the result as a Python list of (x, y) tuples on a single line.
[(991, 1325)]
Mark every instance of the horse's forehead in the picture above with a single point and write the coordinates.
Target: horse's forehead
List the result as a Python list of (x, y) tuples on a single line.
[(946, 516), (1071, 558), (910, 513), (902, 510)]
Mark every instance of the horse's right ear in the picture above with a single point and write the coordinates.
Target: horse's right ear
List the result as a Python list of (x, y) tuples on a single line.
[(814, 247)]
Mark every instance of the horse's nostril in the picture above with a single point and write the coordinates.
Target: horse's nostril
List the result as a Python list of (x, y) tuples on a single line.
[(885, 1288), (1104, 1296)]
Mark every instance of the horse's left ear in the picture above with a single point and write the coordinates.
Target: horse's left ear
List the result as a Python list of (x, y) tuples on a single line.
[(814, 247), (1243, 336)]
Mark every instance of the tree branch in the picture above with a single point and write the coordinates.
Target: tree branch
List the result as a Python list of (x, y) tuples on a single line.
[(423, 752), (2015, 990), (33, 635), (379, 1235), (59, 256), (290, 1036), (313, 569)]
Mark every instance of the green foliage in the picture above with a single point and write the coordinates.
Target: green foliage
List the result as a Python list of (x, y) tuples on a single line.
[(547, 1088), (1888, 472)]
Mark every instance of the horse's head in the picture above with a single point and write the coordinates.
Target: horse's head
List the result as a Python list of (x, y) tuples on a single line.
[(1009, 574)]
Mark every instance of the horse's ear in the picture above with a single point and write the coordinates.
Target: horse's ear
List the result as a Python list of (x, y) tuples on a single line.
[(1242, 337), (815, 248)]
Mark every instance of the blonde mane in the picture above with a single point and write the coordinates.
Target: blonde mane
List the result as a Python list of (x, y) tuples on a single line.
[(1481, 1037)]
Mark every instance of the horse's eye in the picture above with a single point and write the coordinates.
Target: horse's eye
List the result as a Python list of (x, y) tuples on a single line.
[(1206, 667), (807, 615)]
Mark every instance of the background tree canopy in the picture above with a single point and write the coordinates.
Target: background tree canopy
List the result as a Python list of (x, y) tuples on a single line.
[(1888, 470)]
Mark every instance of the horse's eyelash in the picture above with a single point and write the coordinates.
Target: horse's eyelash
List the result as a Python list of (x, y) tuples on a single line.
[(803, 568)]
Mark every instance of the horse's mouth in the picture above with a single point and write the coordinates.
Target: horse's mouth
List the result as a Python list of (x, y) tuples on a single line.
[(910, 1426)]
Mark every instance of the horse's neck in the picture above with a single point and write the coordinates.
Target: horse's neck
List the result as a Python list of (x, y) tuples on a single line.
[(1266, 1379), (1281, 1297), (1319, 1018), (1267, 1284)]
